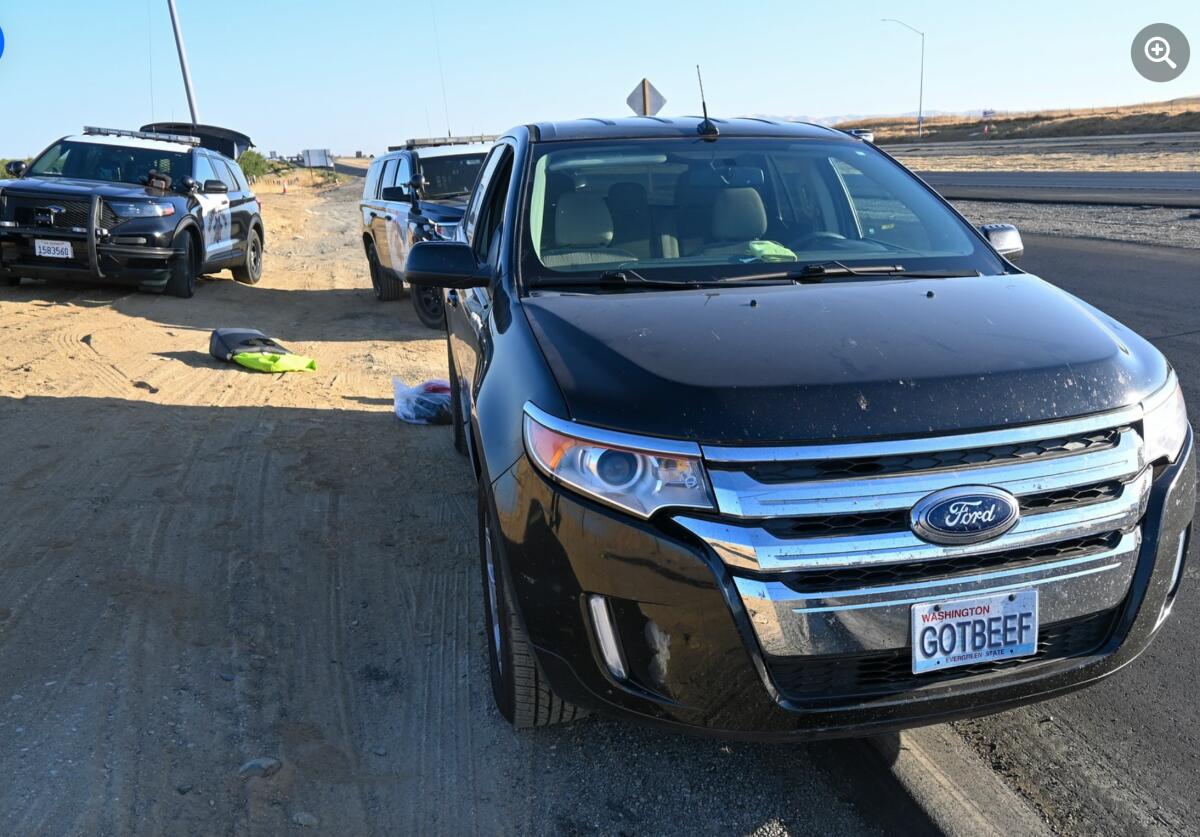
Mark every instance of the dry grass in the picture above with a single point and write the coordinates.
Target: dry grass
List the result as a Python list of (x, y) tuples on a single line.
[(1148, 117)]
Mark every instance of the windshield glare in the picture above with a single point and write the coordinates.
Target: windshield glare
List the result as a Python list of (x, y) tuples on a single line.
[(676, 206), (112, 163), (446, 176)]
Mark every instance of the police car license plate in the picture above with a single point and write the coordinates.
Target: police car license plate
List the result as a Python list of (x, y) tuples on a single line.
[(52, 249), (965, 631)]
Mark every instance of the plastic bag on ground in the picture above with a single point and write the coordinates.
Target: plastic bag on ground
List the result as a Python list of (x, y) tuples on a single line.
[(427, 403)]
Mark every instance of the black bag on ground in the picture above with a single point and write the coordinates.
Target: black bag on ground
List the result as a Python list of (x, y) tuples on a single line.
[(227, 342)]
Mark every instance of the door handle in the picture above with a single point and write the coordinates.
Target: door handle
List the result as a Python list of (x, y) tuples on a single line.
[(452, 298)]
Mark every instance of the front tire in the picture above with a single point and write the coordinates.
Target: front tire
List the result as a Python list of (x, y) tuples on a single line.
[(185, 268), (520, 689), (250, 271), (427, 302)]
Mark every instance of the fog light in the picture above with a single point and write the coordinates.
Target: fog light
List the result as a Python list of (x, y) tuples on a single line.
[(606, 634)]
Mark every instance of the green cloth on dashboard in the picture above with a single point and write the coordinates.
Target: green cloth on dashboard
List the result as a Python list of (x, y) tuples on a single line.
[(268, 362), (769, 251)]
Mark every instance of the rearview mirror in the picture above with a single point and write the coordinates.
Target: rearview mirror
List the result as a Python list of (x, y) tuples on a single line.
[(445, 264), (215, 187), (16, 168), (1005, 238)]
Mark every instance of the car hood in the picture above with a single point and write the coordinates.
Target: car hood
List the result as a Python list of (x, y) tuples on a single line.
[(844, 360), (71, 187)]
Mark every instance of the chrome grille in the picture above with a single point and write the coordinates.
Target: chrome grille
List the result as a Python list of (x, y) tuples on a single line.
[(818, 539)]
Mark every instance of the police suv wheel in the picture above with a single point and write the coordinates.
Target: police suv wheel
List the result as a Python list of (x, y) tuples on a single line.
[(427, 302), (182, 281), (520, 689), (251, 271)]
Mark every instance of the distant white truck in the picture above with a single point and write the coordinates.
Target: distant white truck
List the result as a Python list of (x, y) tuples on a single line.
[(317, 158)]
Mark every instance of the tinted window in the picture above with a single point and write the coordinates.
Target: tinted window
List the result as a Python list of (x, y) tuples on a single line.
[(113, 163), (491, 219), (371, 186), (204, 169), (404, 173), (224, 174), (473, 206), (389, 173), (238, 175), (672, 206), (450, 176)]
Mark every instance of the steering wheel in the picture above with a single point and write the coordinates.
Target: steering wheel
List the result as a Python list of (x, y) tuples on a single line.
[(807, 241)]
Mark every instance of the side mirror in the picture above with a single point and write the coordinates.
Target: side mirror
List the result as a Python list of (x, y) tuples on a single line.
[(1005, 238), (16, 168), (395, 193), (445, 264), (215, 187)]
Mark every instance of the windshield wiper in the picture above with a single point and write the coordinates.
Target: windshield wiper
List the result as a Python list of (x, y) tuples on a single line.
[(819, 271)]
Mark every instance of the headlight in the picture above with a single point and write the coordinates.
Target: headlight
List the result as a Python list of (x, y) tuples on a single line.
[(1165, 422), (635, 473), (141, 209)]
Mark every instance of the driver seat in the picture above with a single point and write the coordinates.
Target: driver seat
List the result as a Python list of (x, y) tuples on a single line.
[(583, 233), (738, 219)]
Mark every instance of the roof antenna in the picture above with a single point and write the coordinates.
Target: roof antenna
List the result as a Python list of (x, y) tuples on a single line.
[(707, 129)]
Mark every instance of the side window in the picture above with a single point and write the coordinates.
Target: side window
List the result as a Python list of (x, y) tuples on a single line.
[(238, 175), (491, 220), (471, 218), (389, 174), (371, 187), (225, 175), (204, 169), (404, 173)]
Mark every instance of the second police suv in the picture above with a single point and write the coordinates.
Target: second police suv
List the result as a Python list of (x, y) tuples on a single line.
[(153, 208), (771, 442)]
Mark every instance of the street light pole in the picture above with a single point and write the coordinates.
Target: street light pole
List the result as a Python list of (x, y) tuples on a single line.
[(183, 64), (921, 88)]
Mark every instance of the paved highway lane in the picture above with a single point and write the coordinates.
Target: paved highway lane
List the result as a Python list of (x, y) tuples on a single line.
[(1124, 756), (1114, 188)]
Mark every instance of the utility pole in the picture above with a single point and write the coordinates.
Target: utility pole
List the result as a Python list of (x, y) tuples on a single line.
[(183, 62), (921, 88)]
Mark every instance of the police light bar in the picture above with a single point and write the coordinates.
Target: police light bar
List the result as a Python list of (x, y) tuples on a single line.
[(91, 130), (432, 142)]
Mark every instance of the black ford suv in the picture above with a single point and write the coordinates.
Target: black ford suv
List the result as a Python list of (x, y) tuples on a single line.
[(145, 208), (771, 442), (416, 192)]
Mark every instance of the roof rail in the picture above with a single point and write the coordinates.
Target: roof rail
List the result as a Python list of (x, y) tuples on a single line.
[(91, 130), (433, 142)]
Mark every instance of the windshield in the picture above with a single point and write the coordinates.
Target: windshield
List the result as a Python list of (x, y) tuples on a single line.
[(112, 163), (450, 176), (688, 209)]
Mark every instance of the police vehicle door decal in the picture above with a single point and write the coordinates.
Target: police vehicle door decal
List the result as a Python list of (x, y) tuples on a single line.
[(215, 217)]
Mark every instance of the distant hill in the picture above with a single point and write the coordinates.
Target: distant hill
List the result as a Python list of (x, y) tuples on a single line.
[(1145, 118)]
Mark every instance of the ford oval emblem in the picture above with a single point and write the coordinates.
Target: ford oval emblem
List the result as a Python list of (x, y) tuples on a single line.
[(966, 514)]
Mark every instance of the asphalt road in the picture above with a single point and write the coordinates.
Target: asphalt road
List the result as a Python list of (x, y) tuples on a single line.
[(1125, 188), (1122, 757), (1110, 142)]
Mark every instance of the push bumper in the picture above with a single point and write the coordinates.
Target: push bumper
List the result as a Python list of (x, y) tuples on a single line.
[(693, 659), (137, 255)]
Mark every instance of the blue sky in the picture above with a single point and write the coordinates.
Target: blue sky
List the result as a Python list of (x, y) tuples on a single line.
[(360, 75)]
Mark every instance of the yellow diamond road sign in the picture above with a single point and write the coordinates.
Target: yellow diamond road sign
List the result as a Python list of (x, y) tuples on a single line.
[(645, 100)]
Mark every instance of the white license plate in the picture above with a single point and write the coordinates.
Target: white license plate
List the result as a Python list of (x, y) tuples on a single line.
[(980, 630), (52, 249)]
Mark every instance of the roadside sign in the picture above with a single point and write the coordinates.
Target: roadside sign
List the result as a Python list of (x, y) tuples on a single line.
[(989, 114), (645, 100)]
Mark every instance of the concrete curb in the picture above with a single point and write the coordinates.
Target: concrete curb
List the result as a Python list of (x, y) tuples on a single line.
[(955, 788)]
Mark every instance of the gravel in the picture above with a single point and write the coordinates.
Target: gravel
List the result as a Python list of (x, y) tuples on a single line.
[(1169, 227)]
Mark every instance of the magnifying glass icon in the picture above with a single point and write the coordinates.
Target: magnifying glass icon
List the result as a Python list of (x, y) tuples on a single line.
[(1158, 50)]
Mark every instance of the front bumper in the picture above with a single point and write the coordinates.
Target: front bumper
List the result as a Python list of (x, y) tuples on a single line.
[(138, 252), (695, 660)]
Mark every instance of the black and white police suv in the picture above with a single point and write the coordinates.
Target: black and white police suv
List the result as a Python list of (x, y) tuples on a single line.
[(416, 192), (153, 208)]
